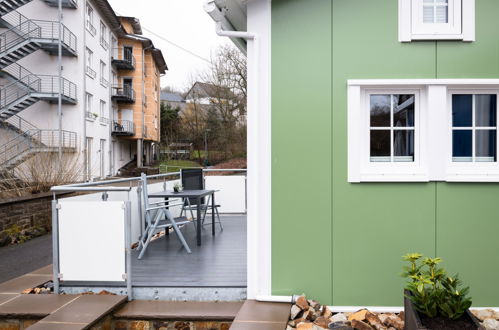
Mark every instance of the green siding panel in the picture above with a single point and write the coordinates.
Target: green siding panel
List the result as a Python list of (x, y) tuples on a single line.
[(467, 214), (342, 243), (301, 148), (467, 236), (374, 224)]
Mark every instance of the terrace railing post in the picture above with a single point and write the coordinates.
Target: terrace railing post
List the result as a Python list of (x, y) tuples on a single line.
[(139, 207), (128, 244), (55, 244)]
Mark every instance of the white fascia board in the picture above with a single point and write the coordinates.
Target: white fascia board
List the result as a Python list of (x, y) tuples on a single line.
[(423, 82)]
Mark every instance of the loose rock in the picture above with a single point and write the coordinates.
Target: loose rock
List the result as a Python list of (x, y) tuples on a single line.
[(302, 303), (491, 324), (358, 316), (340, 326), (484, 314), (321, 322), (340, 317), (361, 325), (394, 321), (295, 310)]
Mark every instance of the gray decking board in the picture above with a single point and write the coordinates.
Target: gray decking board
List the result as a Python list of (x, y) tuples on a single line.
[(219, 262)]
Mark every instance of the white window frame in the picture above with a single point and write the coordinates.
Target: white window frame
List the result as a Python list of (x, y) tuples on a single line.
[(89, 21), (460, 26), (433, 132), (471, 171)]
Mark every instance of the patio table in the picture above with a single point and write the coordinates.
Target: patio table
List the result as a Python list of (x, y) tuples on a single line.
[(192, 194)]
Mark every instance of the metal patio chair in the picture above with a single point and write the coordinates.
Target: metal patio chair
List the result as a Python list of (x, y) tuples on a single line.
[(193, 179), (158, 216)]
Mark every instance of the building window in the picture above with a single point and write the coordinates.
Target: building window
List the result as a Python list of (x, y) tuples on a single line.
[(403, 130), (89, 63), (102, 112), (89, 114), (392, 127), (436, 20), (474, 127), (103, 36), (90, 20), (103, 74)]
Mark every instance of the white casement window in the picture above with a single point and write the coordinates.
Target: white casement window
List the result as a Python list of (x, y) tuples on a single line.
[(89, 63), (423, 130), (103, 74), (90, 19), (89, 114), (104, 37), (102, 109), (436, 20)]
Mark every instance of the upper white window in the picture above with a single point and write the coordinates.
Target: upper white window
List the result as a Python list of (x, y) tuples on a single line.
[(436, 20), (423, 130)]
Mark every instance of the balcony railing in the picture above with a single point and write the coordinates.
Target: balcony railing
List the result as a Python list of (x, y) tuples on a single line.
[(104, 43), (123, 128), (124, 94), (123, 59), (104, 82), (90, 72)]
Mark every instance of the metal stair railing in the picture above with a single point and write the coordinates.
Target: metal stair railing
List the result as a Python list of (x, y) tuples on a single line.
[(8, 6), (37, 29), (39, 85), (21, 74), (20, 124), (14, 18), (37, 140)]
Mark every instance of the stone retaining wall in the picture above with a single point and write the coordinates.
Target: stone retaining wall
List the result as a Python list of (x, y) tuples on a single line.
[(24, 218)]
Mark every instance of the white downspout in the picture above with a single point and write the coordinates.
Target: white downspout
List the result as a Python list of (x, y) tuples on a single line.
[(220, 19)]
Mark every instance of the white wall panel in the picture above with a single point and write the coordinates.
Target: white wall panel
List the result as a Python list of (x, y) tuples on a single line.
[(91, 241), (231, 194)]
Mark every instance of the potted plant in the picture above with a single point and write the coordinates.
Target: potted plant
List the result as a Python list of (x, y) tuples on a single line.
[(433, 300), (177, 187)]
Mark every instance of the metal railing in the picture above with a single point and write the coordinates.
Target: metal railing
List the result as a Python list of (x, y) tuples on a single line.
[(90, 115), (18, 123), (21, 74), (37, 29), (41, 84), (35, 140), (104, 82), (14, 18), (125, 91), (90, 72), (104, 43), (123, 54), (123, 127)]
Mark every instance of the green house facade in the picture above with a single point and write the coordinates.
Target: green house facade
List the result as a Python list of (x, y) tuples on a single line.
[(381, 140)]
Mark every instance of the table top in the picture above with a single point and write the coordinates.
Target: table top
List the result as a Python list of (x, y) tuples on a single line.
[(182, 194)]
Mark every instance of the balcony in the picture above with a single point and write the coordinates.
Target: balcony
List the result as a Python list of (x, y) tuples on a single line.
[(123, 128), (123, 94), (65, 3), (123, 59), (215, 270)]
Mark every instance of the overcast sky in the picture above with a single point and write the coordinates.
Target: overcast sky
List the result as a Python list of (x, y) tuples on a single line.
[(183, 22)]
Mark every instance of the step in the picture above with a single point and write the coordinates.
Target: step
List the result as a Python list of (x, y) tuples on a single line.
[(80, 313), (255, 315), (179, 310)]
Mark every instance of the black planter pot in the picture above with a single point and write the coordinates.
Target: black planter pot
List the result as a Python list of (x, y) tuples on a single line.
[(412, 320)]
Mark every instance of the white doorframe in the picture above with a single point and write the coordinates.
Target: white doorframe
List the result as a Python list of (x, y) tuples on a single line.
[(259, 149)]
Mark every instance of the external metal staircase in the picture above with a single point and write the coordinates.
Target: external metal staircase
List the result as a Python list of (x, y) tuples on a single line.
[(30, 141), (23, 37)]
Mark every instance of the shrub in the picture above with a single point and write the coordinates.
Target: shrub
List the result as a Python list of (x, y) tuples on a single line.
[(432, 291)]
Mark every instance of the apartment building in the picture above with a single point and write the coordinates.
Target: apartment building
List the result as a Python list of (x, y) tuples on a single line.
[(92, 126), (137, 89)]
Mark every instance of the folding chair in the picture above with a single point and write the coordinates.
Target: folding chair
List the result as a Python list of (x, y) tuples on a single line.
[(158, 216), (192, 179)]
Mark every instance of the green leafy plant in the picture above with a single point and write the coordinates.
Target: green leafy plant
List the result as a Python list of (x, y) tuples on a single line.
[(432, 292)]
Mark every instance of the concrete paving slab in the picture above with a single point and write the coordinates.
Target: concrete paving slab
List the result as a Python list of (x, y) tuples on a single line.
[(18, 284), (34, 305), (86, 309), (178, 310)]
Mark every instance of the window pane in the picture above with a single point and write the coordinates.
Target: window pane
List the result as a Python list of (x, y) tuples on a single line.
[(403, 145), (462, 110), (428, 14), (441, 14), (380, 110), (485, 110), (461, 145), (380, 145), (485, 145), (403, 110)]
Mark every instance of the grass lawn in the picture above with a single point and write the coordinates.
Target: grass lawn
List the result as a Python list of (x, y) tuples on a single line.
[(167, 166)]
